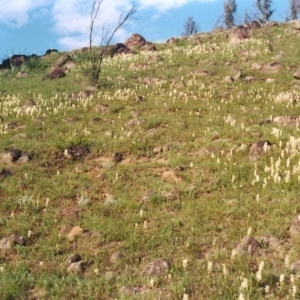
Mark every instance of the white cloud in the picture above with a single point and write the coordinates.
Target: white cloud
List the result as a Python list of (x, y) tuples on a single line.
[(15, 13), (72, 21), (163, 5)]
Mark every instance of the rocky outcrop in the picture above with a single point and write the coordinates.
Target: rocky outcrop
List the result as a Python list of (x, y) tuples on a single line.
[(135, 41)]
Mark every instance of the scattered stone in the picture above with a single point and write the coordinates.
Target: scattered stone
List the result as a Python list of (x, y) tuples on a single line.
[(8, 242), (151, 81), (238, 34), (75, 232), (296, 74), (286, 97), (76, 152), (294, 229), (247, 245), (157, 150), (270, 80), (201, 73), (76, 267), (271, 242), (28, 105), (155, 58), (272, 67), (101, 108), (258, 148), (172, 195), (295, 266), (249, 78), (116, 257), (22, 74), (73, 258), (227, 79), (238, 75), (4, 173), (292, 121), (170, 176), (156, 267), (257, 66), (10, 155), (147, 196)]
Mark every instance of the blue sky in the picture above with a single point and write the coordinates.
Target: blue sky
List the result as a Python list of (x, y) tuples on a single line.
[(33, 26)]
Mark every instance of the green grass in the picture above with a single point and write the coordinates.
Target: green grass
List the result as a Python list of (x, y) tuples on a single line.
[(204, 193)]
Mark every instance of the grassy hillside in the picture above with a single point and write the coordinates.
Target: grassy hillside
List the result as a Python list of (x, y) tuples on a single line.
[(166, 189)]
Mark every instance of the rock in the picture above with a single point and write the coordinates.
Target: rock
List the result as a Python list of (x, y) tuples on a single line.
[(50, 51), (294, 229), (257, 66), (272, 243), (249, 78), (201, 73), (272, 67), (4, 173), (156, 268), (292, 121), (270, 80), (238, 34), (101, 108), (22, 74), (157, 150), (170, 176), (28, 105), (151, 81), (135, 41), (56, 73), (119, 49), (76, 267), (258, 148), (296, 74), (172, 41), (73, 258), (286, 97), (149, 47), (118, 157), (247, 245), (10, 155), (75, 232), (295, 266), (62, 61), (14, 61), (76, 152), (116, 257), (253, 25), (8, 242), (238, 75), (26, 157), (227, 79), (155, 58)]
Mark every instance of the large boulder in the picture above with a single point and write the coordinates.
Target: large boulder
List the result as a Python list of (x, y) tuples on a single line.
[(50, 51), (238, 34), (56, 73), (135, 41), (14, 61)]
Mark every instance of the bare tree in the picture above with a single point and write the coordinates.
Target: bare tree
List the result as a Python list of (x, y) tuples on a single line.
[(96, 56), (229, 11), (190, 27), (264, 7), (294, 9)]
